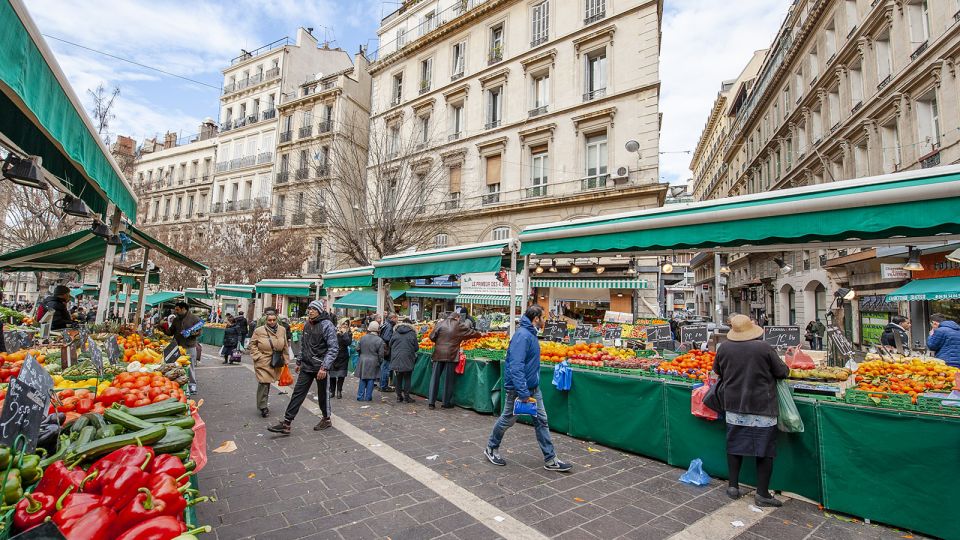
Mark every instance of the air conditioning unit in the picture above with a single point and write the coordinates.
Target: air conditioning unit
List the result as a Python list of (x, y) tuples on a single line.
[(622, 176)]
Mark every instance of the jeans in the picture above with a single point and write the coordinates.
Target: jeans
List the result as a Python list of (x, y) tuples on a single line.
[(304, 380), (448, 383), (507, 419), (365, 390), (384, 373), (404, 382)]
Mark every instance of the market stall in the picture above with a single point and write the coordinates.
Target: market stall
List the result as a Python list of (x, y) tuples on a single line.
[(290, 297)]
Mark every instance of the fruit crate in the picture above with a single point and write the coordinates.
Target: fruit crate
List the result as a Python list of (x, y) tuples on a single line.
[(935, 404), (887, 400)]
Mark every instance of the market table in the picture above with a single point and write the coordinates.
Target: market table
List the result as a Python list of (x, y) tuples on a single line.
[(212, 336), (473, 389)]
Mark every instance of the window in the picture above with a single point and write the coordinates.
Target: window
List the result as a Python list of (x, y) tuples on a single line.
[(440, 241), (884, 59), (816, 124), (798, 83), (856, 85), (595, 74), (539, 164), (500, 233), (429, 22), (596, 162), (814, 65), (401, 37), (496, 44), (890, 146), (317, 252), (860, 166), (494, 106), (281, 203), (852, 18), (918, 15), (786, 101), (453, 199), (833, 102), (928, 123), (493, 171), (541, 93), (397, 94), (830, 40), (393, 142), (304, 165), (457, 121), (190, 206), (802, 138), (426, 75), (595, 10), (459, 60), (424, 129), (540, 21)]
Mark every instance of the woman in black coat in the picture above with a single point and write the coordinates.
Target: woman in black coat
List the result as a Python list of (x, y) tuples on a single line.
[(231, 337), (403, 356), (338, 372), (749, 368)]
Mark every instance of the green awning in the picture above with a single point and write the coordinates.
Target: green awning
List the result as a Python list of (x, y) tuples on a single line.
[(590, 283), (417, 292), (365, 299), (236, 291), (487, 299), (485, 257), (197, 292), (93, 289), (349, 278), (153, 300), (946, 288), (68, 253), (146, 240), (153, 278), (76, 292), (41, 115), (286, 287), (915, 204)]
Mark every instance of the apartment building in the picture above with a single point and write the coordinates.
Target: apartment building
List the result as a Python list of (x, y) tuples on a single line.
[(534, 111), (253, 85), (174, 181), (316, 115), (848, 89)]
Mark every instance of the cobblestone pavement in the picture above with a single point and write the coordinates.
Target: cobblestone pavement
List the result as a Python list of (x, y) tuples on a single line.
[(416, 471)]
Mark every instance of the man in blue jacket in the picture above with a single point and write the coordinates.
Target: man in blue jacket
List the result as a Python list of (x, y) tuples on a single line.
[(522, 380), (944, 339)]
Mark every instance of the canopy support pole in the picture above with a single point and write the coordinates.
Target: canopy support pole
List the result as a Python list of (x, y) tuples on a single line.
[(513, 286), (142, 298), (526, 281), (380, 299), (126, 304), (718, 309), (103, 302)]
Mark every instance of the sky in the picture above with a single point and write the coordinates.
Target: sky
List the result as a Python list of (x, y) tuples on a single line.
[(704, 43)]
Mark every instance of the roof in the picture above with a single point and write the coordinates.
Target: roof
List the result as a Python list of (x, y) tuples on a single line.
[(348, 278), (463, 259)]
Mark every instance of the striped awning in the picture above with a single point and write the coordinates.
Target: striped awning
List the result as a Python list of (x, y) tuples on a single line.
[(590, 283), (487, 299), (425, 292)]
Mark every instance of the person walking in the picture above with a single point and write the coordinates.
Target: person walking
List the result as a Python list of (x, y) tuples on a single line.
[(370, 348), (338, 371), (231, 337), (386, 334), (182, 321), (814, 334), (944, 339), (748, 369), (403, 356), (447, 336), (56, 303), (522, 381), (243, 328), (318, 350), (268, 349)]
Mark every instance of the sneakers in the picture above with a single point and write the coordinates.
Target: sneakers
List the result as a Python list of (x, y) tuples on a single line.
[(733, 493), (264, 412), (493, 456), (557, 465), (283, 428), (323, 424), (431, 406), (409, 399), (388, 389)]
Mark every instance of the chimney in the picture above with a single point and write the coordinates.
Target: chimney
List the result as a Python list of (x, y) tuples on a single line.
[(169, 140), (124, 146), (208, 129)]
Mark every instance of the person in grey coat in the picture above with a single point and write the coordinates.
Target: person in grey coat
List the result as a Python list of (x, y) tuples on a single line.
[(403, 356), (370, 349)]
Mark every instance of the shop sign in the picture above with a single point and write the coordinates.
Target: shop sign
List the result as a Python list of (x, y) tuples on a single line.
[(756, 298), (439, 281), (893, 271), (936, 265), (872, 324), (877, 303), (487, 283)]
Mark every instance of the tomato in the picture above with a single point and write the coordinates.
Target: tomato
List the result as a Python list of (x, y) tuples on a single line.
[(69, 404), (161, 397), (142, 381), (64, 394), (110, 396), (141, 402), (85, 405), (128, 384), (83, 393), (130, 400)]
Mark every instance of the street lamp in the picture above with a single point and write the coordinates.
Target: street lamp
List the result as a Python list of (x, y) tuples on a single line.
[(913, 261), (784, 267)]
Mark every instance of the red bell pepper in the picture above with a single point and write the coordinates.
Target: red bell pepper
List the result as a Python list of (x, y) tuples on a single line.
[(167, 488), (117, 484), (145, 506), (58, 477), (158, 528), (82, 516), (168, 464), (33, 510), (133, 455)]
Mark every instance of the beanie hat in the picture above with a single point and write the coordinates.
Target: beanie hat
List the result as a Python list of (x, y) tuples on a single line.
[(317, 305)]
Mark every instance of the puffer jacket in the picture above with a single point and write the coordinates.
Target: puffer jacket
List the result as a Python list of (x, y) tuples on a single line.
[(522, 371), (945, 343), (318, 346), (403, 348), (447, 336), (886, 338)]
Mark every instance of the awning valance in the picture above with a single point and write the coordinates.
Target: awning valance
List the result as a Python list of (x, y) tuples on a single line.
[(470, 258), (418, 292), (946, 288), (366, 299), (487, 299), (198, 292), (41, 115), (349, 278), (915, 204), (153, 300), (590, 283), (286, 287), (236, 290)]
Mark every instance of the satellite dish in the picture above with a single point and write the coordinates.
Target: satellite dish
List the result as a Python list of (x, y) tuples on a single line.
[(622, 171), (632, 146)]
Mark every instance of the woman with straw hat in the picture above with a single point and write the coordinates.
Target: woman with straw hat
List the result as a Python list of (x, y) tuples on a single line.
[(748, 369)]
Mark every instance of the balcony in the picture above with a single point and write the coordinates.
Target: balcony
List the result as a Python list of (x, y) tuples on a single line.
[(189, 214), (235, 163), (200, 214), (302, 173), (490, 198), (322, 171), (316, 267), (856, 107), (454, 136), (271, 73), (306, 131), (239, 123), (230, 206), (216, 208), (264, 157), (283, 177), (286, 136), (920, 50), (884, 82), (451, 204), (248, 161), (223, 166), (193, 179), (594, 182), (228, 88), (180, 181), (536, 191), (424, 87), (325, 126), (494, 56), (492, 124), (166, 217), (931, 160), (538, 111), (226, 126), (205, 178), (319, 217), (594, 94), (279, 220), (268, 114), (299, 218), (594, 15), (539, 40), (176, 216), (395, 101), (456, 76)]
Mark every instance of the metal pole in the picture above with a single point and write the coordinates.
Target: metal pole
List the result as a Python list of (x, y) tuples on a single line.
[(103, 302), (718, 309), (126, 304), (513, 286), (527, 286), (141, 299), (380, 299)]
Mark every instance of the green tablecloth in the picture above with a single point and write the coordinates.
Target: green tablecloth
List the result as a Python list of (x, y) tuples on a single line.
[(212, 336), (473, 388)]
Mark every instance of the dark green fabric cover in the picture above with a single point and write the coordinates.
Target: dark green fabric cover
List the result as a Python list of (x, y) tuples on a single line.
[(472, 389), (212, 336)]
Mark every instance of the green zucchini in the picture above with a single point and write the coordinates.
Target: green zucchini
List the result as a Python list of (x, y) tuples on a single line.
[(79, 424), (162, 419), (168, 407), (62, 444), (96, 420), (184, 454), (87, 434), (95, 449), (175, 440), (186, 422), (132, 423), (111, 430)]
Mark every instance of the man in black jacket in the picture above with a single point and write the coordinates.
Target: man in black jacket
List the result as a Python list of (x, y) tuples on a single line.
[(56, 303), (899, 326), (386, 333), (243, 326), (318, 350), (179, 321)]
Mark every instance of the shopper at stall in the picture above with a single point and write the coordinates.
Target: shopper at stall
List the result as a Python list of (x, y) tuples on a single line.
[(231, 337), (338, 371), (318, 350), (814, 334), (403, 356), (898, 326), (56, 303), (447, 336), (748, 369), (944, 339), (522, 381), (386, 334), (184, 320), (268, 349), (371, 352), (243, 327)]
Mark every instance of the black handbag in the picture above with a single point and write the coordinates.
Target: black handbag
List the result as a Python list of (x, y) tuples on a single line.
[(713, 400), (276, 360)]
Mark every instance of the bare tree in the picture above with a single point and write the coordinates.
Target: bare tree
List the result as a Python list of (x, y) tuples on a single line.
[(32, 216), (246, 250), (377, 199), (102, 109)]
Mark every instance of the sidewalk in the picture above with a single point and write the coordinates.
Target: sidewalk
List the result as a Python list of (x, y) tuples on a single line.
[(405, 472)]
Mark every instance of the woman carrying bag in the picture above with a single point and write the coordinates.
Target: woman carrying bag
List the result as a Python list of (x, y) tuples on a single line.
[(268, 348)]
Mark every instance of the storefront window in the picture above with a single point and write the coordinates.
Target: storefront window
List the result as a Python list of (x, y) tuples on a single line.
[(949, 308)]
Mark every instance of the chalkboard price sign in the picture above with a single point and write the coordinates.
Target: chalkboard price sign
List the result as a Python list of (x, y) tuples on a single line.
[(555, 330), (113, 350), (694, 333), (483, 324), (35, 375), (781, 337), (12, 341), (96, 356), (171, 352), (25, 407), (660, 336), (45, 531), (581, 332), (612, 332)]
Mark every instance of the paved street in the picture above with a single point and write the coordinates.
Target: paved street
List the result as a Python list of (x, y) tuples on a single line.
[(404, 472)]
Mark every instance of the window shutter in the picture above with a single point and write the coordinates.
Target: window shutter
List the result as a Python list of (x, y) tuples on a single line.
[(493, 170), (454, 179), (539, 149)]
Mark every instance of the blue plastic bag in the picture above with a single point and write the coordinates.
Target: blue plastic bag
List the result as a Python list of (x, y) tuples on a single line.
[(562, 376), (525, 407), (695, 474)]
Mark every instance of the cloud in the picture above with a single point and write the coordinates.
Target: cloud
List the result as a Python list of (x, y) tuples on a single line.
[(704, 43)]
